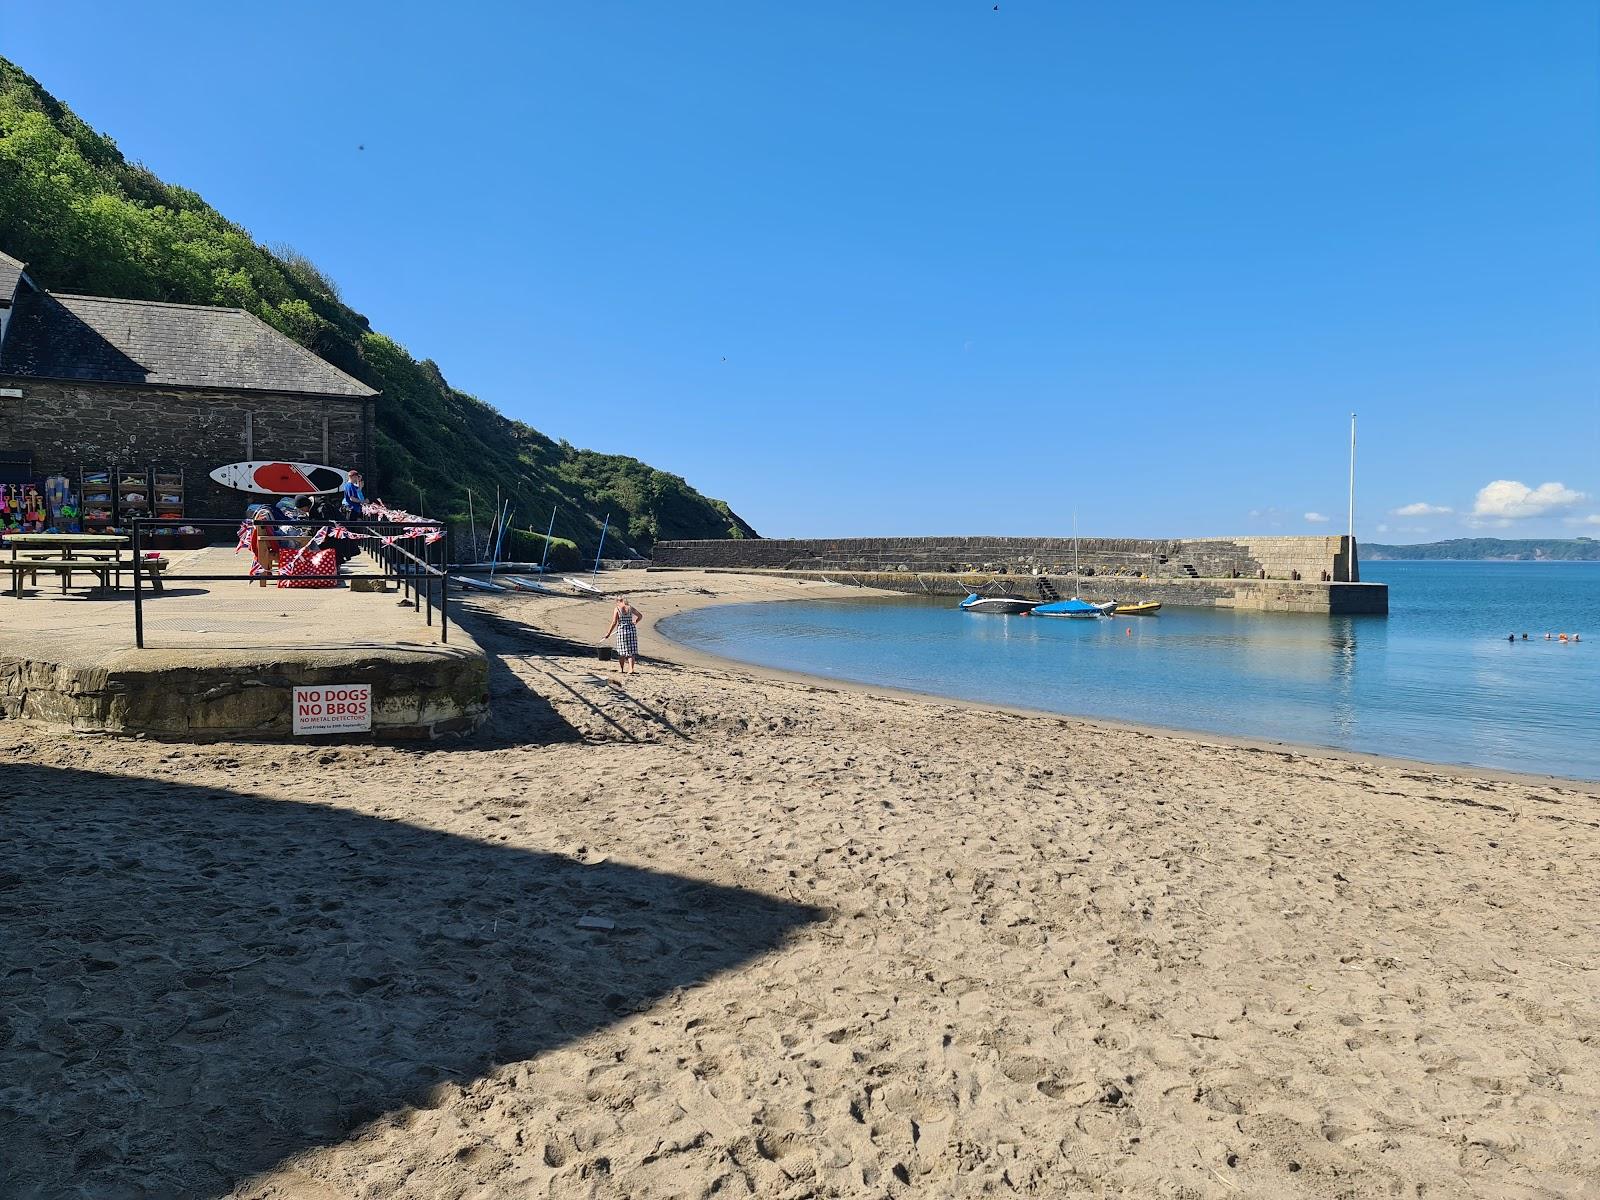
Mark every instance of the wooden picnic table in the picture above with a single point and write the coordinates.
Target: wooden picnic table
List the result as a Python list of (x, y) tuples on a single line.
[(67, 542), (72, 546)]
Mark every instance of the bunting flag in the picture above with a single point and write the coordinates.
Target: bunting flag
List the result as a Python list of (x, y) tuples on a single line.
[(399, 516), (429, 531)]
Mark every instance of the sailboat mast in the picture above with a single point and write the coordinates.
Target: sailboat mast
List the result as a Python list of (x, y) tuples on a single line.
[(545, 557), (1077, 582), (602, 548)]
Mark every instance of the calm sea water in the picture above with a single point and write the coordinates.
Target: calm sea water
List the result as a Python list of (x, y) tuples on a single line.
[(1435, 680)]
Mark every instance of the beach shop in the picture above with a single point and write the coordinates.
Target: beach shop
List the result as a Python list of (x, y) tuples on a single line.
[(113, 409)]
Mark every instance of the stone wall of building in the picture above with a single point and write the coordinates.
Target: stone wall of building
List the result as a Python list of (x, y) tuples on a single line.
[(1313, 559), (70, 425)]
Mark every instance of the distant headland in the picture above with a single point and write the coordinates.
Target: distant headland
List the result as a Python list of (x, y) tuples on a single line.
[(1581, 549)]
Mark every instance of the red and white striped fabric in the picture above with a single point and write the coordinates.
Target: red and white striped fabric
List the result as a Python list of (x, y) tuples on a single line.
[(309, 568)]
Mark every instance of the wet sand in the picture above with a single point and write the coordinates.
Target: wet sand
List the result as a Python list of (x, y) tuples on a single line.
[(860, 945)]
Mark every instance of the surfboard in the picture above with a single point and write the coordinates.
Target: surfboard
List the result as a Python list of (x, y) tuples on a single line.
[(280, 478)]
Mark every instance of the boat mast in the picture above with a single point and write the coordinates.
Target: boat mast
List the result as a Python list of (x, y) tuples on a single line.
[(1077, 582), (545, 557), (602, 548)]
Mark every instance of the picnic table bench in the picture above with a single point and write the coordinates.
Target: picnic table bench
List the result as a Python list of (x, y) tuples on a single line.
[(100, 566), (54, 551)]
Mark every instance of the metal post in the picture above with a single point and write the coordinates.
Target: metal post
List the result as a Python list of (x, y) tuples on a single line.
[(427, 578), (138, 594), (444, 589)]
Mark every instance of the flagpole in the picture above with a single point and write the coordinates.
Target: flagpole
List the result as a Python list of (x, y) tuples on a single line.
[(1352, 479)]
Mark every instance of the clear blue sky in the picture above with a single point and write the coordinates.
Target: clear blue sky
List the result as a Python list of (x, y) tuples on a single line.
[(928, 267)]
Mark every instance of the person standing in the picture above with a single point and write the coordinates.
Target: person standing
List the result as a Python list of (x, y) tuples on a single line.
[(625, 624), (354, 498)]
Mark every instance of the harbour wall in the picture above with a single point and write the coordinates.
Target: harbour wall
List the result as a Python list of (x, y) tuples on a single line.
[(1314, 559), (1266, 574), (1252, 595)]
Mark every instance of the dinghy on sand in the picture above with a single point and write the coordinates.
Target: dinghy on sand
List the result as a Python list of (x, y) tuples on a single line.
[(475, 585), (522, 584)]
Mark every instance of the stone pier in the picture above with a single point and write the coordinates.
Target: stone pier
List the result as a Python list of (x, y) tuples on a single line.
[(1267, 574)]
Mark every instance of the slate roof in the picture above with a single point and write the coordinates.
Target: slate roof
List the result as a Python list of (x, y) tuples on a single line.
[(10, 273), (54, 336)]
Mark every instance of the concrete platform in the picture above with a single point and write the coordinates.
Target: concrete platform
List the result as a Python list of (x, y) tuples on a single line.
[(222, 658)]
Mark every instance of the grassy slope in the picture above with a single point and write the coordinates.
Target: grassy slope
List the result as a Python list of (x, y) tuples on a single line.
[(1477, 549), (87, 220)]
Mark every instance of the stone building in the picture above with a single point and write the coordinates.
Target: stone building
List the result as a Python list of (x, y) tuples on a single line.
[(91, 382)]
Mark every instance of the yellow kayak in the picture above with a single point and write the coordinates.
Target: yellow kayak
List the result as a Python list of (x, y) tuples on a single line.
[(1143, 608)]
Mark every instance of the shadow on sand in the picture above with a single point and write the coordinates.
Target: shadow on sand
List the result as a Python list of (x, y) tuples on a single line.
[(519, 713), (196, 983)]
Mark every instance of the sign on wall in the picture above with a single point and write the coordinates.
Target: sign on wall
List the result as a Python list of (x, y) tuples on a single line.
[(335, 708)]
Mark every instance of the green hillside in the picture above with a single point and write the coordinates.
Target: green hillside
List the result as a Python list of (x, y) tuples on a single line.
[(85, 219), (1581, 549)]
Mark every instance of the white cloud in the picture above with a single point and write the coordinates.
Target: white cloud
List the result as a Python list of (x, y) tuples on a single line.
[(1509, 500), (1421, 509), (1591, 519), (1383, 529), (1316, 518)]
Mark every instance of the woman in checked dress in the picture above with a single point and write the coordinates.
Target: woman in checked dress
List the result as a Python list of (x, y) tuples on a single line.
[(624, 622)]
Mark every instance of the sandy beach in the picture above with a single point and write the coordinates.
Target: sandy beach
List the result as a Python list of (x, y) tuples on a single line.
[(729, 933)]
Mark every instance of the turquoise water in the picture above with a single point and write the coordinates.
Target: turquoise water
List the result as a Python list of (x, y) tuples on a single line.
[(1435, 680)]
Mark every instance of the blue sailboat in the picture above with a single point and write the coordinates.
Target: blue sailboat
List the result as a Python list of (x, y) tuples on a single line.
[(1077, 606), (1074, 607)]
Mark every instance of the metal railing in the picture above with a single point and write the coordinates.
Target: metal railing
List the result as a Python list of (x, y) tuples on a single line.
[(405, 556)]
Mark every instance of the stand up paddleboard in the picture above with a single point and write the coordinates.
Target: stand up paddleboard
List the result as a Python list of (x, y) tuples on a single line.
[(280, 478)]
